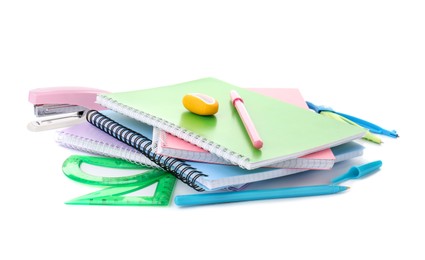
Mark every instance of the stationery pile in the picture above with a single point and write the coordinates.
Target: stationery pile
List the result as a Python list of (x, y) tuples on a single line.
[(211, 135)]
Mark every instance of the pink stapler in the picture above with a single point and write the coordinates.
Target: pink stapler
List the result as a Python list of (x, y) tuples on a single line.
[(61, 106)]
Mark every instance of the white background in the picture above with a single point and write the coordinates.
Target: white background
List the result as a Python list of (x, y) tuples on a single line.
[(366, 58)]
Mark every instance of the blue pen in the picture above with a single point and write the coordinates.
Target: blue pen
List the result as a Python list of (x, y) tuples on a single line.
[(363, 123), (357, 172), (224, 197)]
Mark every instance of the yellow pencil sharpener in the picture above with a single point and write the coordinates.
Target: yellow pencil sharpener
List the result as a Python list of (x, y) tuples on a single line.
[(200, 104)]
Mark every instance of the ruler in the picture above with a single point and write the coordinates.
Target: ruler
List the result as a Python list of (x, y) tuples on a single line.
[(117, 187)]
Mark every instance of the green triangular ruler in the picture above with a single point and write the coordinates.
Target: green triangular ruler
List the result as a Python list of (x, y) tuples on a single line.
[(119, 186)]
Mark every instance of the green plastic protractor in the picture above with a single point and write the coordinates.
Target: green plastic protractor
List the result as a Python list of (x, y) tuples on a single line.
[(72, 169), (119, 185)]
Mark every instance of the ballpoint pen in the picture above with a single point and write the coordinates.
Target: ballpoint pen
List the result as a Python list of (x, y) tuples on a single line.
[(357, 172), (354, 172), (225, 197), (327, 111)]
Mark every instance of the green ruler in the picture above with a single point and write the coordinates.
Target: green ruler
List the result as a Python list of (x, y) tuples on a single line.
[(117, 187)]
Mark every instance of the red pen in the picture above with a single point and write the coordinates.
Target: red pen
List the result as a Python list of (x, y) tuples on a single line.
[(246, 119)]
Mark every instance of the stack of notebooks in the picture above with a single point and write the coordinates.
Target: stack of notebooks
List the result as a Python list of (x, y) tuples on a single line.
[(152, 127)]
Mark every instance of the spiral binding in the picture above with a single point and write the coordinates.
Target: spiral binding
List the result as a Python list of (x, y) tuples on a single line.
[(297, 163), (180, 169)]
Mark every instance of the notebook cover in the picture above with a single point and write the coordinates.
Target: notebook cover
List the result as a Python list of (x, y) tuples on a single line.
[(170, 145), (85, 137), (287, 130)]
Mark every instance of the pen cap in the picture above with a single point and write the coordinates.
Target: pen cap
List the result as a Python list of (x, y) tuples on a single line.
[(357, 172), (234, 96)]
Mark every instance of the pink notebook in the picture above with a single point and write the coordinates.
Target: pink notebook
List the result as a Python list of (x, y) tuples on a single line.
[(167, 144)]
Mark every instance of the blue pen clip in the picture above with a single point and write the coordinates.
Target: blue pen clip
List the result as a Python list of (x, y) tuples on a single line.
[(363, 123), (357, 172), (317, 108)]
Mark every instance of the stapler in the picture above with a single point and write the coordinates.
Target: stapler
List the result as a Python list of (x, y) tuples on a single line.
[(59, 107)]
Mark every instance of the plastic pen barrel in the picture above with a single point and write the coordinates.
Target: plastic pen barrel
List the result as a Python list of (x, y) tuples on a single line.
[(225, 197)]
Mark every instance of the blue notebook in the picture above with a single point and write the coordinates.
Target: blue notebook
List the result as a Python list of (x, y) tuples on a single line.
[(215, 176)]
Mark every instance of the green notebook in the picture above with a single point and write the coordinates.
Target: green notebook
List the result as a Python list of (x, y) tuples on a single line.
[(287, 131)]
